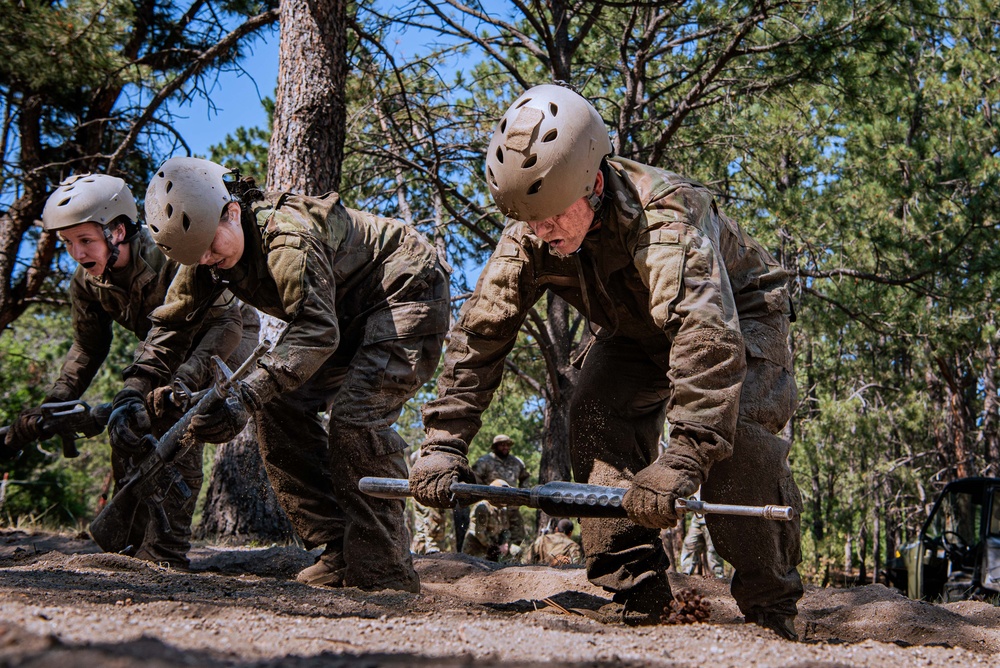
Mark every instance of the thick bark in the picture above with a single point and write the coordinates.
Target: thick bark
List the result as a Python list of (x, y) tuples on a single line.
[(307, 143), (241, 506)]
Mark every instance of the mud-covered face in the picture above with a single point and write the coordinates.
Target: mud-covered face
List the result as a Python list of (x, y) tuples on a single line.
[(565, 232), (227, 246), (86, 244)]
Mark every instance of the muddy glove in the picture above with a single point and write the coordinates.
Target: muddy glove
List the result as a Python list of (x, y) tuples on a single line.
[(164, 410), (27, 428), (432, 474), (225, 417), (678, 473), (129, 422)]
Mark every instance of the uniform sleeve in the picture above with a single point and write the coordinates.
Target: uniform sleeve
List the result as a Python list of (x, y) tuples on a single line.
[(483, 470), (175, 325), (92, 336), (691, 300), (303, 272), (220, 334), (478, 344)]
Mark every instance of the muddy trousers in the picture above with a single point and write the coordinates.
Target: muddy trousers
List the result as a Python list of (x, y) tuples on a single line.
[(166, 538), (315, 475), (616, 416)]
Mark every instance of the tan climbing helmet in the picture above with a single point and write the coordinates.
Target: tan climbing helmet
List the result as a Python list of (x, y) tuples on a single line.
[(89, 198), (545, 153), (184, 203)]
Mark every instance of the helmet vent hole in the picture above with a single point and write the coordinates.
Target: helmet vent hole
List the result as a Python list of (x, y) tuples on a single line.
[(186, 222), (170, 210), (550, 135), (155, 229), (166, 248), (503, 125), (65, 201), (523, 102), (491, 177), (554, 108), (499, 155), (170, 186), (535, 187), (530, 162)]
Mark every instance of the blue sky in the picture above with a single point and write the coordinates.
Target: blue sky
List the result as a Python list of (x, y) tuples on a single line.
[(236, 97)]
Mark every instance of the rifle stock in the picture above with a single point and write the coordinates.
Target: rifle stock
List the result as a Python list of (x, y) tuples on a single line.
[(111, 528), (566, 499)]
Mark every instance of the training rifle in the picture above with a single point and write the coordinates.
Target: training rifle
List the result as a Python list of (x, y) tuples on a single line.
[(566, 499), (69, 420), (153, 479)]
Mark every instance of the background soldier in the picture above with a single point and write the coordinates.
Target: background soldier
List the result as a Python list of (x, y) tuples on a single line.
[(698, 544), (366, 304), (693, 316), (499, 464), (488, 536), (555, 548), (122, 276), (429, 527)]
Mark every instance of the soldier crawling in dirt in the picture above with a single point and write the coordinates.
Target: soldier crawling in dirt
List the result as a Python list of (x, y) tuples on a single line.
[(367, 306), (555, 548), (691, 310), (122, 276)]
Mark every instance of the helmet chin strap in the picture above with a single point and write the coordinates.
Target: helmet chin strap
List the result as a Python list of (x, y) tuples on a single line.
[(113, 257)]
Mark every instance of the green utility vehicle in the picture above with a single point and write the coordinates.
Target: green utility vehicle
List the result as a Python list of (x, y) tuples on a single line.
[(957, 555)]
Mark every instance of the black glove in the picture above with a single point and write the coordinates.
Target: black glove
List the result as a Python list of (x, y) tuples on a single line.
[(434, 471), (225, 417), (27, 428), (129, 422)]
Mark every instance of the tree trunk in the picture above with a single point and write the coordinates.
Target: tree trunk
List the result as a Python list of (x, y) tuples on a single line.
[(241, 506), (307, 143)]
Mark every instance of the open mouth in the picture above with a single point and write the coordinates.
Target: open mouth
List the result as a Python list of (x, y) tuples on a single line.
[(88, 265)]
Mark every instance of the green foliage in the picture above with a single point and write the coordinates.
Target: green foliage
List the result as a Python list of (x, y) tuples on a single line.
[(50, 490)]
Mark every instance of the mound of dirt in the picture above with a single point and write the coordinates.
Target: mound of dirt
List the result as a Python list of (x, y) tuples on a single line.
[(65, 603)]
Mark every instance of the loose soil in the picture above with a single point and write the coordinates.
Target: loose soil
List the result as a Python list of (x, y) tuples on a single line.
[(63, 604)]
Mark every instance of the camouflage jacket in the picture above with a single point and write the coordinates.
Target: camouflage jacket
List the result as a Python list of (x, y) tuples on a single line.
[(488, 530), (491, 467), (553, 549), (128, 298), (332, 273), (664, 268)]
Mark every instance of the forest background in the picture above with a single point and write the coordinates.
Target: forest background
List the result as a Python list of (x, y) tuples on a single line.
[(856, 140)]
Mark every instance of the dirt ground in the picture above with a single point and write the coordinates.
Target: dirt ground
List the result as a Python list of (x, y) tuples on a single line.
[(65, 604)]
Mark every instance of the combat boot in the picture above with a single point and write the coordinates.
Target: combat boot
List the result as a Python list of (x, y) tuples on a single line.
[(783, 625), (643, 605), (328, 571)]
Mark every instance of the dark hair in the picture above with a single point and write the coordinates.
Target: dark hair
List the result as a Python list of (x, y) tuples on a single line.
[(565, 526)]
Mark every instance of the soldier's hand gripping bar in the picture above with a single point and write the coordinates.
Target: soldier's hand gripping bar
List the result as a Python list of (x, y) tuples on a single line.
[(566, 499)]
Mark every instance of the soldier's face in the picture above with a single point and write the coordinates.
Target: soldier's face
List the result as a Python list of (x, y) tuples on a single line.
[(565, 232), (227, 246), (503, 448), (86, 244)]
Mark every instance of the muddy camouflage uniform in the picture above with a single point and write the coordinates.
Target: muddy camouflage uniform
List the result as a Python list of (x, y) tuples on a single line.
[(128, 298), (511, 469), (366, 302), (553, 549), (672, 283)]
